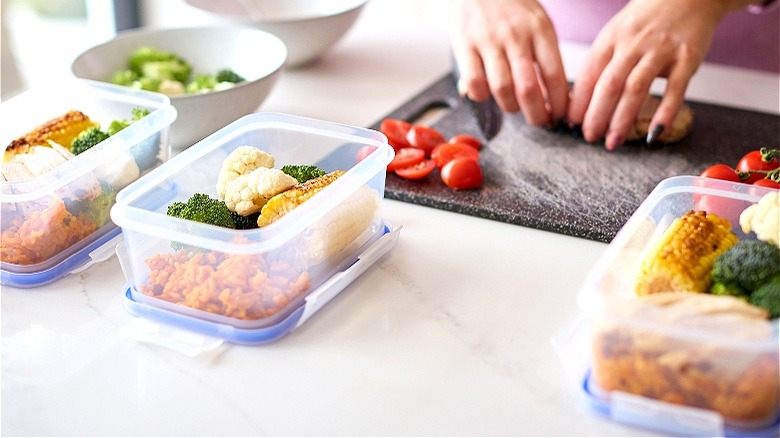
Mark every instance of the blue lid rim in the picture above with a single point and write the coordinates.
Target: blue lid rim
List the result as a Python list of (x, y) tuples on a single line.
[(602, 407)]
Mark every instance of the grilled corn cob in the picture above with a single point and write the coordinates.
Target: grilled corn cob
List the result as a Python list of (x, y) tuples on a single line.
[(683, 258), (284, 202), (342, 226), (61, 130)]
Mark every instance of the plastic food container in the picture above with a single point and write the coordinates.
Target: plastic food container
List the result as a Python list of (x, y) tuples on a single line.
[(253, 286), (698, 374), (58, 222)]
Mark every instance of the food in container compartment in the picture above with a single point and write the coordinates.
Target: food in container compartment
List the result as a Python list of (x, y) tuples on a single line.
[(36, 230), (682, 259), (238, 286), (763, 218), (256, 286), (666, 363)]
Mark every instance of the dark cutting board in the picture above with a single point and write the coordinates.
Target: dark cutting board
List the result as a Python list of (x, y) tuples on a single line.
[(555, 181)]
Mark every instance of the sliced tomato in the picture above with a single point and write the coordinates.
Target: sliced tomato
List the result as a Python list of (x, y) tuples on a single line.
[(462, 173), (406, 157), (425, 138), (395, 130), (445, 152), (766, 182), (466, 139), (721, 171), (416, 171)]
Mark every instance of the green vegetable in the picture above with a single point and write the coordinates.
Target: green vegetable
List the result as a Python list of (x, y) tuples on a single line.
[(120, 124), (125, 77), (745, 267), (768, 297), (201, 84), (93, 205), (203, 208), (87, 139), (152, 63), (303, 172), (247, 222), (228, 75)]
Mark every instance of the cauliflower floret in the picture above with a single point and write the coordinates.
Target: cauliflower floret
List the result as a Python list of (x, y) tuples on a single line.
[(121, 171), (763, 218), (248, 193), (241, 161)]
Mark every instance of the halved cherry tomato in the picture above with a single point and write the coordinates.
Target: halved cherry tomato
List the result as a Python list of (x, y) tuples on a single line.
[(466, 139), (766, 182), (446, 152), (462, 173), (425, 138), (405, 157), (416, 171), (721, 171), (395, 130), (753, 161)]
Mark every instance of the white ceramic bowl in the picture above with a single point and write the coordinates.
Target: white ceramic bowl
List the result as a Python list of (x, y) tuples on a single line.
[(258, 56), (308, 27)]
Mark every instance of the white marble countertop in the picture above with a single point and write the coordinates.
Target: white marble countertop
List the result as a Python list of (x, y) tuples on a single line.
[(449, 334)]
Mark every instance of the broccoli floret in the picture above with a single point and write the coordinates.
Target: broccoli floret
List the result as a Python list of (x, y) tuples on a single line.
[(124, 77), (745, 267), (92, 205), (148, 84), (303, 172), (247, 222), (119, 124), (157, 64), (768, 297), (203, 208), (87, 139), (201, 84), (227, 75)]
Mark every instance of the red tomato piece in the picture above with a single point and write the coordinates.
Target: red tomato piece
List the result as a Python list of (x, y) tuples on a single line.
[(721, 171), (395, 130), (416, 171), (406, 157), (766, 182), (466, 139), (462, 173), (446, 152), (425, 138), (753, 161)]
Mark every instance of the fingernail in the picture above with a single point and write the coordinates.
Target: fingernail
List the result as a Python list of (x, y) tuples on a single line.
[(613, 142), (654, 133), (463, 89)]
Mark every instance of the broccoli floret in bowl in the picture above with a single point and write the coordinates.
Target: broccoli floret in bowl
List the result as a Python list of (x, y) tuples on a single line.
[(768, 297)]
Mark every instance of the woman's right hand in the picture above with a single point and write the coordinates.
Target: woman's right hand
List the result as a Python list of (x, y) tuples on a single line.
[(509, 49)]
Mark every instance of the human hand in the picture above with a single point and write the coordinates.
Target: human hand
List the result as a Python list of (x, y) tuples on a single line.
[(645, 40), (508, 48)]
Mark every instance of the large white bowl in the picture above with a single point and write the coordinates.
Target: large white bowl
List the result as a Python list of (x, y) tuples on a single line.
[(258, 56), (308, 27)]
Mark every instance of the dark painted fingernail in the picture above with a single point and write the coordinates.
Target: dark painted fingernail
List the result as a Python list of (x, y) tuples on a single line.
[(613, 142), (654, 133)]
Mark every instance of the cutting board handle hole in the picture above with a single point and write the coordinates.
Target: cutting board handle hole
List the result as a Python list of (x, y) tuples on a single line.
[(431, 113)]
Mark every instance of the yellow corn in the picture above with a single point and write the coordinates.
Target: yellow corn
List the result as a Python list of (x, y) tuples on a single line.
[(282, 203), (683, 258), (61, 130)]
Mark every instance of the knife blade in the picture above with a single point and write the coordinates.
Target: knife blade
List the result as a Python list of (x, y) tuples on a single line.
[(487, 114)]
